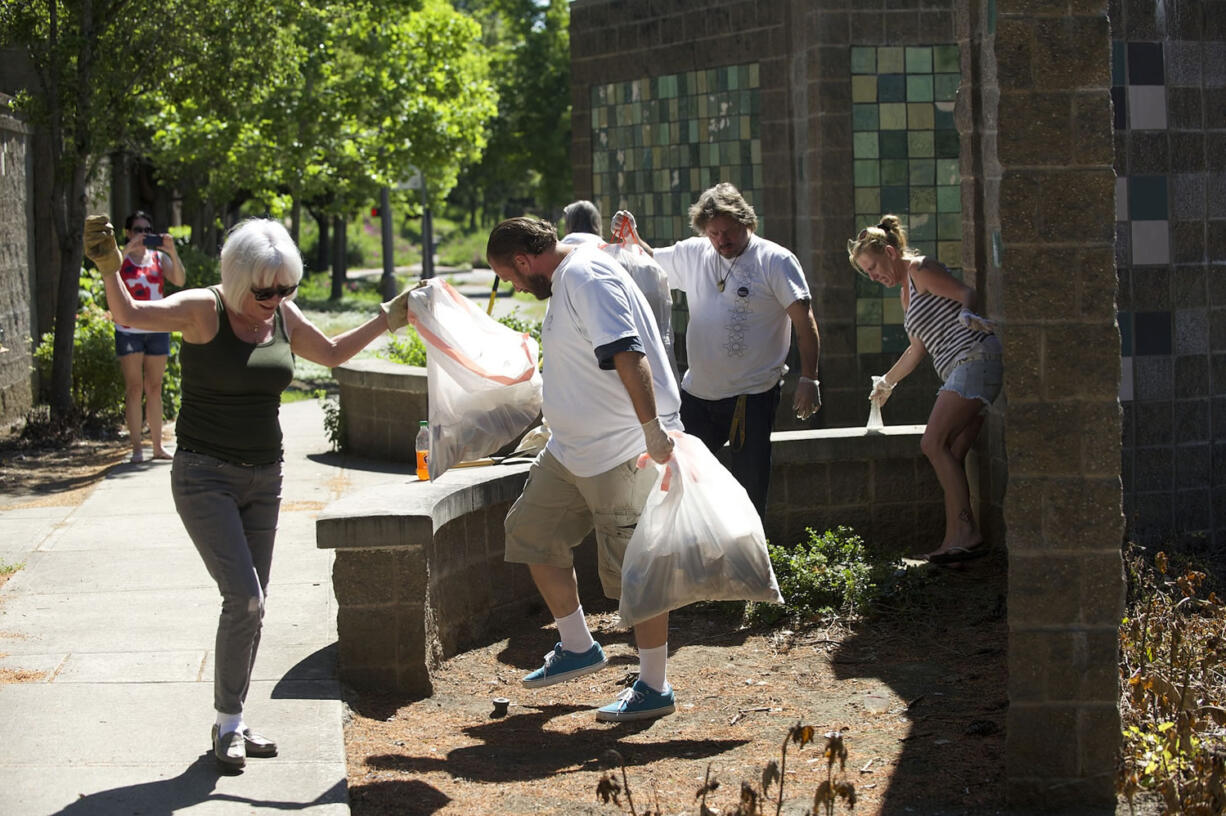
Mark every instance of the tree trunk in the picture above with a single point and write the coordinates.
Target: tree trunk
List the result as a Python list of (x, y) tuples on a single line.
[(338, 258), (387, 283), (321, 246), (295, 217)]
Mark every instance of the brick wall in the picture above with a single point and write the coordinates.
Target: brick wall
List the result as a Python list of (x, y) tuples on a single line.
[(15, 235)]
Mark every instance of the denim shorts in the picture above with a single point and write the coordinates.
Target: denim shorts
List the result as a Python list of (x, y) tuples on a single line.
[(980, 374), (154, 344)]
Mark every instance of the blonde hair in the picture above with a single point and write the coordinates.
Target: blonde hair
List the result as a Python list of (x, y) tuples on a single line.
[(256, 253), (722, 199), (888, 232)]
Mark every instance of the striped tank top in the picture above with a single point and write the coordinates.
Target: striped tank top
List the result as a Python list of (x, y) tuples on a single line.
[(934, 320)]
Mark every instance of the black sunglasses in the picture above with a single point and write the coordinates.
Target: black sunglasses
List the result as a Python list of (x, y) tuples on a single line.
[(267, 292), (142, 229)]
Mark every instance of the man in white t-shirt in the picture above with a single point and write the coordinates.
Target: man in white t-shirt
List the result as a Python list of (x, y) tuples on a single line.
[(609, 395), (582, 222), (745, 296)]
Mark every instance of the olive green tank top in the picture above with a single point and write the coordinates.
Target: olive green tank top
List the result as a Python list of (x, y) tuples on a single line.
[(232, 393)]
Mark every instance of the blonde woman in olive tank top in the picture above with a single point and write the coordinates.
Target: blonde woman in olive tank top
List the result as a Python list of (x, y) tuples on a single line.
[(966, 354), (239, 344)]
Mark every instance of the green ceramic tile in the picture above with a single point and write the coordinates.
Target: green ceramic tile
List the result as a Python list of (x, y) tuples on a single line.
[(893, 116), (868, 311), (919, 88), (864, 88), (921, 228), (754, 75), (890, 60), (864, 145), (922, 172), (868, 200), (894, 339), (755, 152), (950, 253), (1118, 75), (949, 199), (945, 58), (867, 173), (919, 144), (946, 143), (894, 200), (864, 117), (864, 286), (863, 60), (892, 88), (919, 60), (893, 144), (923, 200), (894, 172), (868, 340), (891, 310), (943, 116), (947, 171), (949, 226), (945, 86), (919, 116)]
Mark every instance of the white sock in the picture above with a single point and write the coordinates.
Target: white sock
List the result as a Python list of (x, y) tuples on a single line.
[(653, 667), (573, 632), (229, 722)]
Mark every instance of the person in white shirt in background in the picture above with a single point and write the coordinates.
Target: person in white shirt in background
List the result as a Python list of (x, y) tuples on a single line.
[(746, 294)]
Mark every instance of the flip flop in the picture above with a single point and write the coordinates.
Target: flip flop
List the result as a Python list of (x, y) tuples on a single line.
[(955, 555), (136, 459)]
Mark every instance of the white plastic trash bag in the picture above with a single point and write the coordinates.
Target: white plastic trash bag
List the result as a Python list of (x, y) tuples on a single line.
[(485, 386), (652, 281), (699, 538)]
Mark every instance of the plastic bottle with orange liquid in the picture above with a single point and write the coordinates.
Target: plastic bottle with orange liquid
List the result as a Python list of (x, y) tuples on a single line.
[(423, 451)]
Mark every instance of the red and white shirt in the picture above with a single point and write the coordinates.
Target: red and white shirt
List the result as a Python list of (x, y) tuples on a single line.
[(145, 281)]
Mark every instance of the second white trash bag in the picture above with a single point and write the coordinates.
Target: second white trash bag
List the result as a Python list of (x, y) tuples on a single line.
[(699, 538), (485, 386), (652, 281)]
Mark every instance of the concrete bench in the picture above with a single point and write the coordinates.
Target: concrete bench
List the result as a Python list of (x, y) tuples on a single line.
[(419, 573)]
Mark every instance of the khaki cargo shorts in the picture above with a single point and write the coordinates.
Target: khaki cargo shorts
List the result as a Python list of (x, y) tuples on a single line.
[(558, 509)]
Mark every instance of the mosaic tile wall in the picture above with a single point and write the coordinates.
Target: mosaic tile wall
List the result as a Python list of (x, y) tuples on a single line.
[(658, 142), (1169, 96), (905, 152)]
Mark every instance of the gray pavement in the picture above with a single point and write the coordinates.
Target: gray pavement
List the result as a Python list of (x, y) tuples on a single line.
[(116, 611)]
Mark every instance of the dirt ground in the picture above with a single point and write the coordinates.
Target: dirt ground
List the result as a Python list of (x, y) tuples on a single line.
[(920, 688)]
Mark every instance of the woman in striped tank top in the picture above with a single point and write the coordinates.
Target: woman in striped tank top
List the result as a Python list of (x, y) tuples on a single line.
[(967, 357)]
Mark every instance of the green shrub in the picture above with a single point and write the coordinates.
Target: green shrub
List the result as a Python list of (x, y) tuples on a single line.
[(97, 385), (406, 349), (334, 420), (827, 575), (201, 269)]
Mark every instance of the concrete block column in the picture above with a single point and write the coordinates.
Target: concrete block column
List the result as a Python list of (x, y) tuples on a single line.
[(1056, 300)]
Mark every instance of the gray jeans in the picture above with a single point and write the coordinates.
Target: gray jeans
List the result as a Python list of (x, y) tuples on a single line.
[(230, 511)]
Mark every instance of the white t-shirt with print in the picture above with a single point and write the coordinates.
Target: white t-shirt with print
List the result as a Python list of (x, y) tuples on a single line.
[(594, 303), (737, 340)]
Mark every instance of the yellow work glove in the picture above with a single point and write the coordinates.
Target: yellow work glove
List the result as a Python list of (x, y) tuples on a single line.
[(100, 246), (396, 311)]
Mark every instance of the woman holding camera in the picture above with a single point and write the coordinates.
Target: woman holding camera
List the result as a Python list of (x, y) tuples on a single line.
[(149, 261), (239, 344)]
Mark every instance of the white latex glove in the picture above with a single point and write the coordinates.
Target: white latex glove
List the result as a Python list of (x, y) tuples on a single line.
[(100, 246), (396, 311), (624, 220), (659, 443), (882, 388), (808, 398), (975, 322)]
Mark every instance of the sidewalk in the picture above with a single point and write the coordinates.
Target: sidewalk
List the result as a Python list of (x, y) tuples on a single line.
[(116, 610)]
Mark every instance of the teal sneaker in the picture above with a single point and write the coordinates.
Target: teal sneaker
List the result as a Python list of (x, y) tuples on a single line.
[(639, 702), (561, 665)]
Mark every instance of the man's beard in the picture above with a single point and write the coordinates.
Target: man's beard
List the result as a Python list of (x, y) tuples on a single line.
[(539, 286)]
